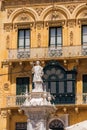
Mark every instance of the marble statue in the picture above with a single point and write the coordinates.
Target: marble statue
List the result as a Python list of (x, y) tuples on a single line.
[(37, 70)]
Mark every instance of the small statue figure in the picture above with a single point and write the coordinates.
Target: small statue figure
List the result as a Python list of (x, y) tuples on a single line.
[(37, 70)]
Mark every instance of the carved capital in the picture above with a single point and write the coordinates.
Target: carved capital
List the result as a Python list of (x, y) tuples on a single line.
[(71, 23), (39, 25)]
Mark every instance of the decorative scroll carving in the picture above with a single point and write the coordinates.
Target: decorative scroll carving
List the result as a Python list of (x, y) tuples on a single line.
[(23, 17), (71, 38), (8, 26), (39, 10), (55, 15), (9, 12), (71, 8)]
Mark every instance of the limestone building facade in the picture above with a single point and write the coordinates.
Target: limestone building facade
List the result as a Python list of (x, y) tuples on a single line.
[(55, 33)]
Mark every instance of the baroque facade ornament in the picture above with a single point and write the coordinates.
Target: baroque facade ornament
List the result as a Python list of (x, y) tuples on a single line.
[(71, 23), (4, 114), (39, 25), (9, 12), (23, 25), (23, 17), (71, 38), (39, 39), (71, 8), (7, 41), (55, 23), (39, 10), (8, 26)]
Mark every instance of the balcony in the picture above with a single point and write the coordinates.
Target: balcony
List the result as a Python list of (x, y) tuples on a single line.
[(52, 52), (18, 100)]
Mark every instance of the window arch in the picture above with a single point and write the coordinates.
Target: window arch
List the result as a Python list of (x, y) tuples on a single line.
[(60, 82), (56, 124)]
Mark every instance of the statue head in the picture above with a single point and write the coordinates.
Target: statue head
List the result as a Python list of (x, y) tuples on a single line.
[(37, 62)]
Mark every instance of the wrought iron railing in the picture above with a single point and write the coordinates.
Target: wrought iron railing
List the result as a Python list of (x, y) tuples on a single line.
[(18, 100), (65, 51)]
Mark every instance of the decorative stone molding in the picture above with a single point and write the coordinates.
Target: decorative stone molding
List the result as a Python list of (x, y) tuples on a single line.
[(71, 23), (23, 25), (39, 25), (82, 22), (55, 23), (9, 12), (7, 41), (39, 10), (71, 38), (23, 17), (71, 8), (8, 27), (39, 39), (6, 86)]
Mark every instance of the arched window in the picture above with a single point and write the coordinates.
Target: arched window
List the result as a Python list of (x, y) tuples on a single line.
[(56, 124), (60, 82)]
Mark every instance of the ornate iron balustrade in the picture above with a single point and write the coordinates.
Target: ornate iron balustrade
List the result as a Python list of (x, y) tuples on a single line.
[(18, 100), (65, 51)]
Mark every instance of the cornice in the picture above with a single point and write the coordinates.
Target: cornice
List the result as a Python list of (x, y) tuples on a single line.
[(34, 2)]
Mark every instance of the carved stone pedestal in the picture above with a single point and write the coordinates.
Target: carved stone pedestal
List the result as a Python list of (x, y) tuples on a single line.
[(37, 108)]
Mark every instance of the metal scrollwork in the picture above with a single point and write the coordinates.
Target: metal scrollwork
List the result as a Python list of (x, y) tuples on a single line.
[(23, 54)]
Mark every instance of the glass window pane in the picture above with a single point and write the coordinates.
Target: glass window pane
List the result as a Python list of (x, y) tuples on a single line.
[(21, 43), (52, 41), (52, 32), (84, 29), (85, 38), (53, 87), (21, 33), (59, 31), (84, 83), (59, 40), (61, 87), (27, 42), (69, 87), (27, 34)]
